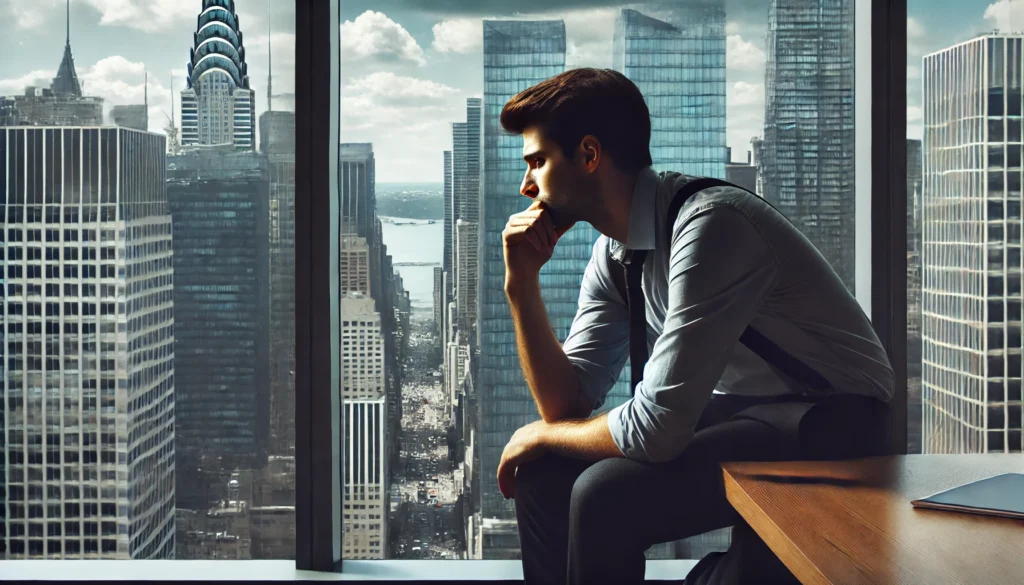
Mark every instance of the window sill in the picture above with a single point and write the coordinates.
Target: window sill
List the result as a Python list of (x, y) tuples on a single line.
[(228, 570)]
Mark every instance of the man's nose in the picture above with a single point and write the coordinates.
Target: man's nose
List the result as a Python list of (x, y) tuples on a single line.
[(528, 188)]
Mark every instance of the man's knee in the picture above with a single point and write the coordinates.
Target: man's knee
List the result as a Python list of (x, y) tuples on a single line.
[(596, 491)]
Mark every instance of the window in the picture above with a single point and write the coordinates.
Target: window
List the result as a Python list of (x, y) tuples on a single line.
[(193, 326), (963, 260), (734, 93)]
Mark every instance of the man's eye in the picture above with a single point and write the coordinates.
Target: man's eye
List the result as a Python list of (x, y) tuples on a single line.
[(538, 162)]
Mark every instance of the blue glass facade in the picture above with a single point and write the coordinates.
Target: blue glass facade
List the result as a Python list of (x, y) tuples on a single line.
[(679, 67), (808, 163), (517, 54), (219, 209)]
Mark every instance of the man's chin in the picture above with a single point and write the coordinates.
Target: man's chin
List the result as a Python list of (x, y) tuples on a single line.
[(561, 217)]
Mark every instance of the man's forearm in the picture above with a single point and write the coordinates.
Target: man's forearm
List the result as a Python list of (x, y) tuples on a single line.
[(551, 377), (587, 439)]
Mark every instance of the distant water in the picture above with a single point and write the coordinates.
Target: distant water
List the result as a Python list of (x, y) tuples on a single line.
[(415, 241)]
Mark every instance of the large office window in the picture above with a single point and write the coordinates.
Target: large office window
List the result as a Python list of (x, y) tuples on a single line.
[(147, 281), (758, 93), (964, 72)]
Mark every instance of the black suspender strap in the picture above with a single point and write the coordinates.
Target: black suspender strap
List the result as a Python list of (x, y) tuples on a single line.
[(765, 348)]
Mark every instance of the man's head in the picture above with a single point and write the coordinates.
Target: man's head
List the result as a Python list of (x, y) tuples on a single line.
[(579, 128)]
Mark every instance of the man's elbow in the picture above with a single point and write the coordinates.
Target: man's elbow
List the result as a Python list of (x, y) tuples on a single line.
[(574, 406), (659, 449)]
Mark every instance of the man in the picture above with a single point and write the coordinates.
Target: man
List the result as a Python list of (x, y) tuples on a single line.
[(811, 382)]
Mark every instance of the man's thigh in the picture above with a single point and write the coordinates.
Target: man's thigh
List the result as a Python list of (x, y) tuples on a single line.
[(661, 502)]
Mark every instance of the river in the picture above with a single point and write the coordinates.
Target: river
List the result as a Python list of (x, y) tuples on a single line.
[(415, 240)]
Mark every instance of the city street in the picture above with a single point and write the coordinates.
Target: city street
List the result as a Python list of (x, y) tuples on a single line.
[(426, 522)]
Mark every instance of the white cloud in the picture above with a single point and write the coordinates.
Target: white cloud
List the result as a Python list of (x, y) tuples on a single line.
[(463, 35), (145, 15), (407, 119), (387, 88), (914, 113), (589, 37), (732, 28), (120, 81), (745, 118), (913, 72), (1006, 15), (744, 94), (374, 35), (17, 85), (914, 29), (743, 55)]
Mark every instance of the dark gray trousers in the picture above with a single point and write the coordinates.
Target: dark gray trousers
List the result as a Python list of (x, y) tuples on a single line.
[(583, 522)]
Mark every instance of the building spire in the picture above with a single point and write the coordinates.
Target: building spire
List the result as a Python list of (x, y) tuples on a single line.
[(66, 82)]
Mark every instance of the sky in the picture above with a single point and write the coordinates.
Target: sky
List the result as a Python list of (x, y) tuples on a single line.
[(407, 65)]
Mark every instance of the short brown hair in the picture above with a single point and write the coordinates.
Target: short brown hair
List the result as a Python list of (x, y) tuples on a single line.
[(570, 105)]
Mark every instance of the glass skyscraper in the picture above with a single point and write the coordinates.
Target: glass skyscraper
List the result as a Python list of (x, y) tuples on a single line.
[(219, 205), (517, 54), (971, 249), (807, 168), (680, 70)]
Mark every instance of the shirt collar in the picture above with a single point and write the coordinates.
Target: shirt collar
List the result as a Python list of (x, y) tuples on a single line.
[(642, 211)]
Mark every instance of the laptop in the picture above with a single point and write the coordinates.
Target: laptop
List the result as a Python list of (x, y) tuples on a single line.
[(1001, 495)]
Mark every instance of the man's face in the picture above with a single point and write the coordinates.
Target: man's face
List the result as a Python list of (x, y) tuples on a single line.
[(559, 182)]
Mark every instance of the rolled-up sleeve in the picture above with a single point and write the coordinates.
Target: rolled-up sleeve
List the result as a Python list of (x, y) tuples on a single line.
[(598, 341), (720, 270)]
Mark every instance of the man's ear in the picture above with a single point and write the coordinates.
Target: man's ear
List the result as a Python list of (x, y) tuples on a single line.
[(591, 150)]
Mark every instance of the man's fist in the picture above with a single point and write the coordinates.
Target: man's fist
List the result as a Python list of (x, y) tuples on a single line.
[(529, 240)]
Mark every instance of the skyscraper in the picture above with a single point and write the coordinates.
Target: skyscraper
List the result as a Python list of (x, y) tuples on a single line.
[(971, 249), (277, 142), (808, 165), (354, 266), (87, 383), (680, 70), (219, 204), (466, 164), (448, 259), (365, 438), (517, 54), (466, 268), (62, 104), (914, 182), (217, 106)]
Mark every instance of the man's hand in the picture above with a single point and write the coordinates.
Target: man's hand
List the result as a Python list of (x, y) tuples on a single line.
[(526, 445), (529, 241)]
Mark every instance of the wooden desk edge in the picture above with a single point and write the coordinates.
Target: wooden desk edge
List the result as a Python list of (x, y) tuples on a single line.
[(790, 555)]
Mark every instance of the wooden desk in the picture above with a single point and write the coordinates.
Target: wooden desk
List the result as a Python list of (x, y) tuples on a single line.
[(851, 522)]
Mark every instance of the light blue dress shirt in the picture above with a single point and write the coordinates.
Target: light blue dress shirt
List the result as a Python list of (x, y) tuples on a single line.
[(729, 260)]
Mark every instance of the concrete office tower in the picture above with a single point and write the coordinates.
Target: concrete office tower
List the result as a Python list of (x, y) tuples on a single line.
[(680, 70), (466, 270), (448, 259), (219, 203), (365, 438), (87, 381), (354, 266), (130, 117), (971, 249), (217, 106), (808, 164), (362, 351), (356, 188), (438, 301), (277, 142), (742, 174), (466, 164)]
